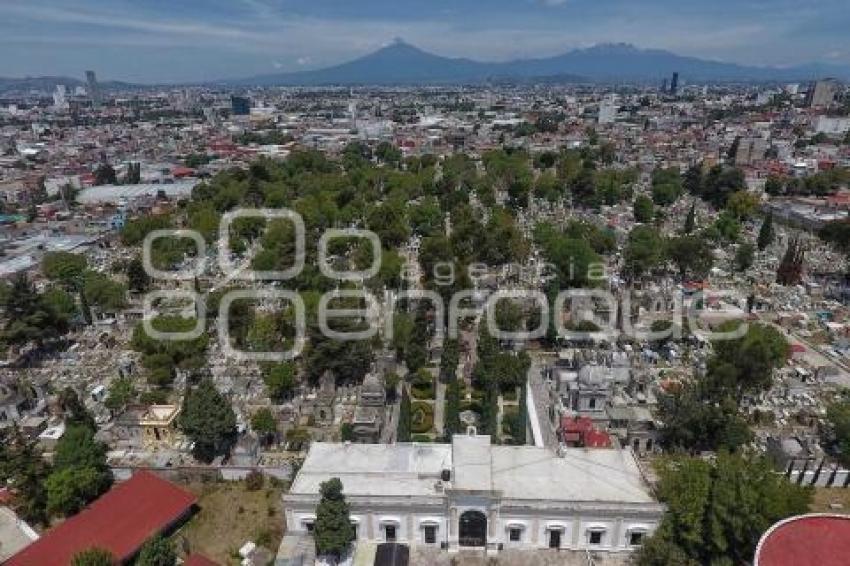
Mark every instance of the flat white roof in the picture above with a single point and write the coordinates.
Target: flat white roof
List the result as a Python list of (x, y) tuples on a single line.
[(581, 474), (115, 193), (374, 469), (519, 472)]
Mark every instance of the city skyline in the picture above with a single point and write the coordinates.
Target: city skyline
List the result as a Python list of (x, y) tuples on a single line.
[(150, 41)]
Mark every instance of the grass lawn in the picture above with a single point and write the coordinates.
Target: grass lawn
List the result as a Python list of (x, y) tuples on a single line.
[(229, 516)]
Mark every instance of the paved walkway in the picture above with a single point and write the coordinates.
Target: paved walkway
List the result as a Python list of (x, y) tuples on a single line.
[(440, 408), (14, 534), (540, 394), (391, 427)]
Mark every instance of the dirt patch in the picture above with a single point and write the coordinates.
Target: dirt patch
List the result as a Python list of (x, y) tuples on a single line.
[(230, 515), (828, 500)]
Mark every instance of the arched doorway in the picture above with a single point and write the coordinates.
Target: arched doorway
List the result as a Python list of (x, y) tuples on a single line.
[(473, 529)]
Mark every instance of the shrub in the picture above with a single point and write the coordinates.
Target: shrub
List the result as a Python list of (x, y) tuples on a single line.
[(421, 418), (254, 481), (420, 391)]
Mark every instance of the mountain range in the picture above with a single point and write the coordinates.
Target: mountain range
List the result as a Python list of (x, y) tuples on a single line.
[(403, 64)]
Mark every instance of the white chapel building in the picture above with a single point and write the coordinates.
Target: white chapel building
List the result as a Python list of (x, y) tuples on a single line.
[(471, 493)]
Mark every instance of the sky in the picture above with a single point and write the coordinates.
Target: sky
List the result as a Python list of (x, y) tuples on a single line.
[(157, 41)]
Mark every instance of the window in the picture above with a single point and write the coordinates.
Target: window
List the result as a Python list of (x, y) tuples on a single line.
[(636, 538), (308, 525), (515, 534), (354, 530), (596, 537), (389, 533), (430, 534), (636, 445), (591, 403)]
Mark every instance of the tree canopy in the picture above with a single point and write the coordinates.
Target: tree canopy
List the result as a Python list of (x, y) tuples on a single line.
[(716, 512), (208, 421), (333, 531)]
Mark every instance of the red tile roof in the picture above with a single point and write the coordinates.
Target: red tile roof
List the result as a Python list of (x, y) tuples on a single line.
[(807, 540), (597, 439), (120, 521), (577, 424)]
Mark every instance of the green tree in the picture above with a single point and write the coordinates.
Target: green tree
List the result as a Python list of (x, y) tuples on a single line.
[(690, 220), (61, 303), (766, 234), (105, 175), (746, 365), (742, 204), (264, 424), (138, 279), (837, 233), (643, 209), (280, 381), (80, 474), (391, 381), (75, 411), (333, 531), (693, 179), (28, 318), (158, 551), (404, 417), (64, 267), (727, 226), (24, 470), (93, 557), (208, 421), (774, 186), (101, 291), (644, 251), (451, 424), (744, 256), (716, 512), (121, 393), (838, 417), (692, 255)]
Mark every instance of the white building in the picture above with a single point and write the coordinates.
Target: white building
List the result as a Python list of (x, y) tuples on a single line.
[(832, 125), (473, 494), (608, 111)]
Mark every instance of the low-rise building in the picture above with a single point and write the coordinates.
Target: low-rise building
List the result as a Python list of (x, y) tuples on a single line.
[(474, 494)]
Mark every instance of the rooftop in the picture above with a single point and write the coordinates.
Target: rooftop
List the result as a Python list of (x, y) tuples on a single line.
[(374, 469), (120, 522), (519, 472)]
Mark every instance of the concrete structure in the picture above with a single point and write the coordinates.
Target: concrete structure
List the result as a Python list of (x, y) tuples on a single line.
[(119, 194), (474, 494), (15, 534), (822, 93)]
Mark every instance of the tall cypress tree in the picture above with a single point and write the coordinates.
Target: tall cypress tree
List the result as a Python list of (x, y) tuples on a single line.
[(403, 434), (333, 531), (452, 419), (766, 232), (691, 220)]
